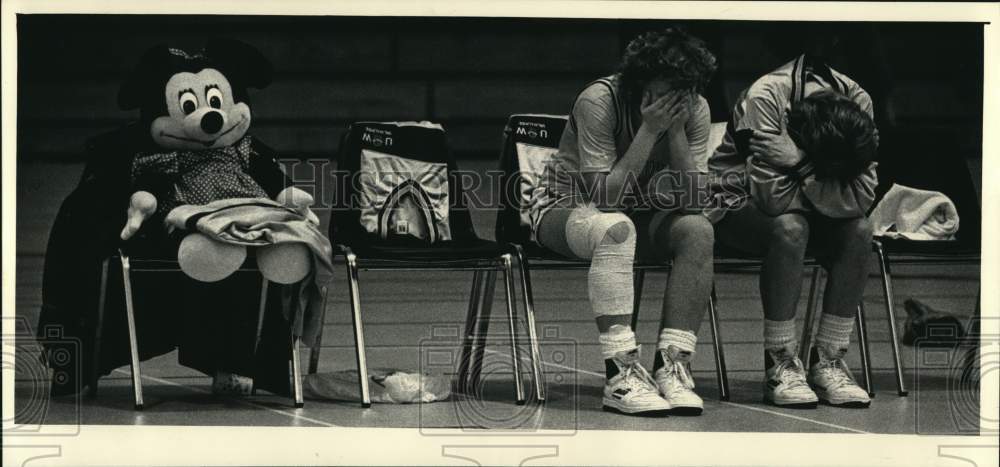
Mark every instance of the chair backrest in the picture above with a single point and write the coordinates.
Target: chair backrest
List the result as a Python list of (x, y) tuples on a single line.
[(529, 141), (715, 135), (396, 184)]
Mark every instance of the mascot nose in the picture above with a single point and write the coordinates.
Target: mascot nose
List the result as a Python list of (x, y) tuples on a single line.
[(211, 122)]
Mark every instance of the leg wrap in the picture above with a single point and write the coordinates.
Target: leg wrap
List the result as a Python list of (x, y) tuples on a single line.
[(608, 239)]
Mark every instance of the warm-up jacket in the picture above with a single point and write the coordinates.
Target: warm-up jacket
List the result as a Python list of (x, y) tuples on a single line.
[(762, 107)]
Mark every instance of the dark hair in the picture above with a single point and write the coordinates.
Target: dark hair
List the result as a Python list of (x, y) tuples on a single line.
[(672, 54), (836, 135)]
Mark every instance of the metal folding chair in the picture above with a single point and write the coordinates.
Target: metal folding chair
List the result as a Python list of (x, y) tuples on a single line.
[(108, 167), (465, 252), (146, 265), (913, 158)]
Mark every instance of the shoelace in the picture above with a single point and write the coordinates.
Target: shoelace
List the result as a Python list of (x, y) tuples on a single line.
[(785, 372), (636, 377), (837, 373), (682, 376)]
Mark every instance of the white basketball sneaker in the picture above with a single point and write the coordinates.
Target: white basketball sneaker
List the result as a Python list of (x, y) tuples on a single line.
[(785, 380), (833, 381), (631, 390), (675, 382)]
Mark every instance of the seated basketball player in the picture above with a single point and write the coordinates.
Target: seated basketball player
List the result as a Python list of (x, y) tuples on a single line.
[(623, 130), (812, 178)]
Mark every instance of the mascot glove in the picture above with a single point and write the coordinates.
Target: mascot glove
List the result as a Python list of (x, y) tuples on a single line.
[(299, 200), (141, 206)]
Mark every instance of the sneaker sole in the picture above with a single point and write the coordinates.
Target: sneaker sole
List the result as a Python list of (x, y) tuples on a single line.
[(792, 404), (686, 411), (610, 407), (847, 404), (645, 413)]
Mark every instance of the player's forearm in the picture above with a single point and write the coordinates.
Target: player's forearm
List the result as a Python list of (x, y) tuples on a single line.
[(609, 188), (679, 156)]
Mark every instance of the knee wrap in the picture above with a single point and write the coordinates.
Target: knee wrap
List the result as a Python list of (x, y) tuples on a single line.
[(608, 240), (588, 229)]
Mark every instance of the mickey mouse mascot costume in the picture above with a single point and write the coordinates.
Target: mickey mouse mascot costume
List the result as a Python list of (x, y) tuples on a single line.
[(197, 188)]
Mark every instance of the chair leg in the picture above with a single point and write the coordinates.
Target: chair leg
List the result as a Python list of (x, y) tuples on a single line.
[(807, 322), (482, 328), (261, 308), (866, 363), (638, 277), (469, 338), (314, 354), (508, 280), (538, 373), (318, 344), (297, 374), (359, 333), (890, 313), (720, 356), (132, 339), (99, 329)]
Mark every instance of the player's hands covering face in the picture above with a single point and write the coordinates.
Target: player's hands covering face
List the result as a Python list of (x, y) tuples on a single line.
[(668, 112)]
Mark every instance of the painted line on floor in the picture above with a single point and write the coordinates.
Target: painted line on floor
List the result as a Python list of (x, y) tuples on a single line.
[(734, 404), (796, 417), (235, 399)]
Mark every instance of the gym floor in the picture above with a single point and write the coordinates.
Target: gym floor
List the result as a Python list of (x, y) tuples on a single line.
[(406, 313)]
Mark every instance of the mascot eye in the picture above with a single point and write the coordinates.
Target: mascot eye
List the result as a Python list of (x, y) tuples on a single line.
[(214, 96), (189, 102)]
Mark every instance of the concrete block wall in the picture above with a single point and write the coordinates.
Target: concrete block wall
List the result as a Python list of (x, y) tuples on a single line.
[(468, 74)]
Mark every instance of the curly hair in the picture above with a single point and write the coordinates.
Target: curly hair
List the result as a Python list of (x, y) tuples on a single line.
[(672, 54), (837, 136)]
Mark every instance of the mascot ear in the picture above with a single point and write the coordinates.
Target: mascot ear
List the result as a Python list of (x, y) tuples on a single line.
[(135, 90), (241, 63)]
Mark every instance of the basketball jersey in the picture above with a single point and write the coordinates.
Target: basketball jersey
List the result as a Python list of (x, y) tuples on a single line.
[(601, 127)]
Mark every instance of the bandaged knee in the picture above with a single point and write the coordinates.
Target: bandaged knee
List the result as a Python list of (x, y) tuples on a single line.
[(608, 240)]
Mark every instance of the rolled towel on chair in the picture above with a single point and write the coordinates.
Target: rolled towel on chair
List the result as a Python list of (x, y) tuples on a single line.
[(914, 214)]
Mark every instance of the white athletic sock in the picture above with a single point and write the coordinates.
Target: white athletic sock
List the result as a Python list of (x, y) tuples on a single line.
[(685, 341), (834, 335), (619, 338), (780, 335)]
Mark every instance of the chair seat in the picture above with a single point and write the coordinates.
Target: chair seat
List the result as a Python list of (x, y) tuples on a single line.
[(929, 248), (724, 253), (159, 249), (441, 252), (149, 255), (551, 259), (724, 257), (535, 252)]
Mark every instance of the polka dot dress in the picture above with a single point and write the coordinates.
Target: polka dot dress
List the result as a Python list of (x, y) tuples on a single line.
[(200, 177)]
